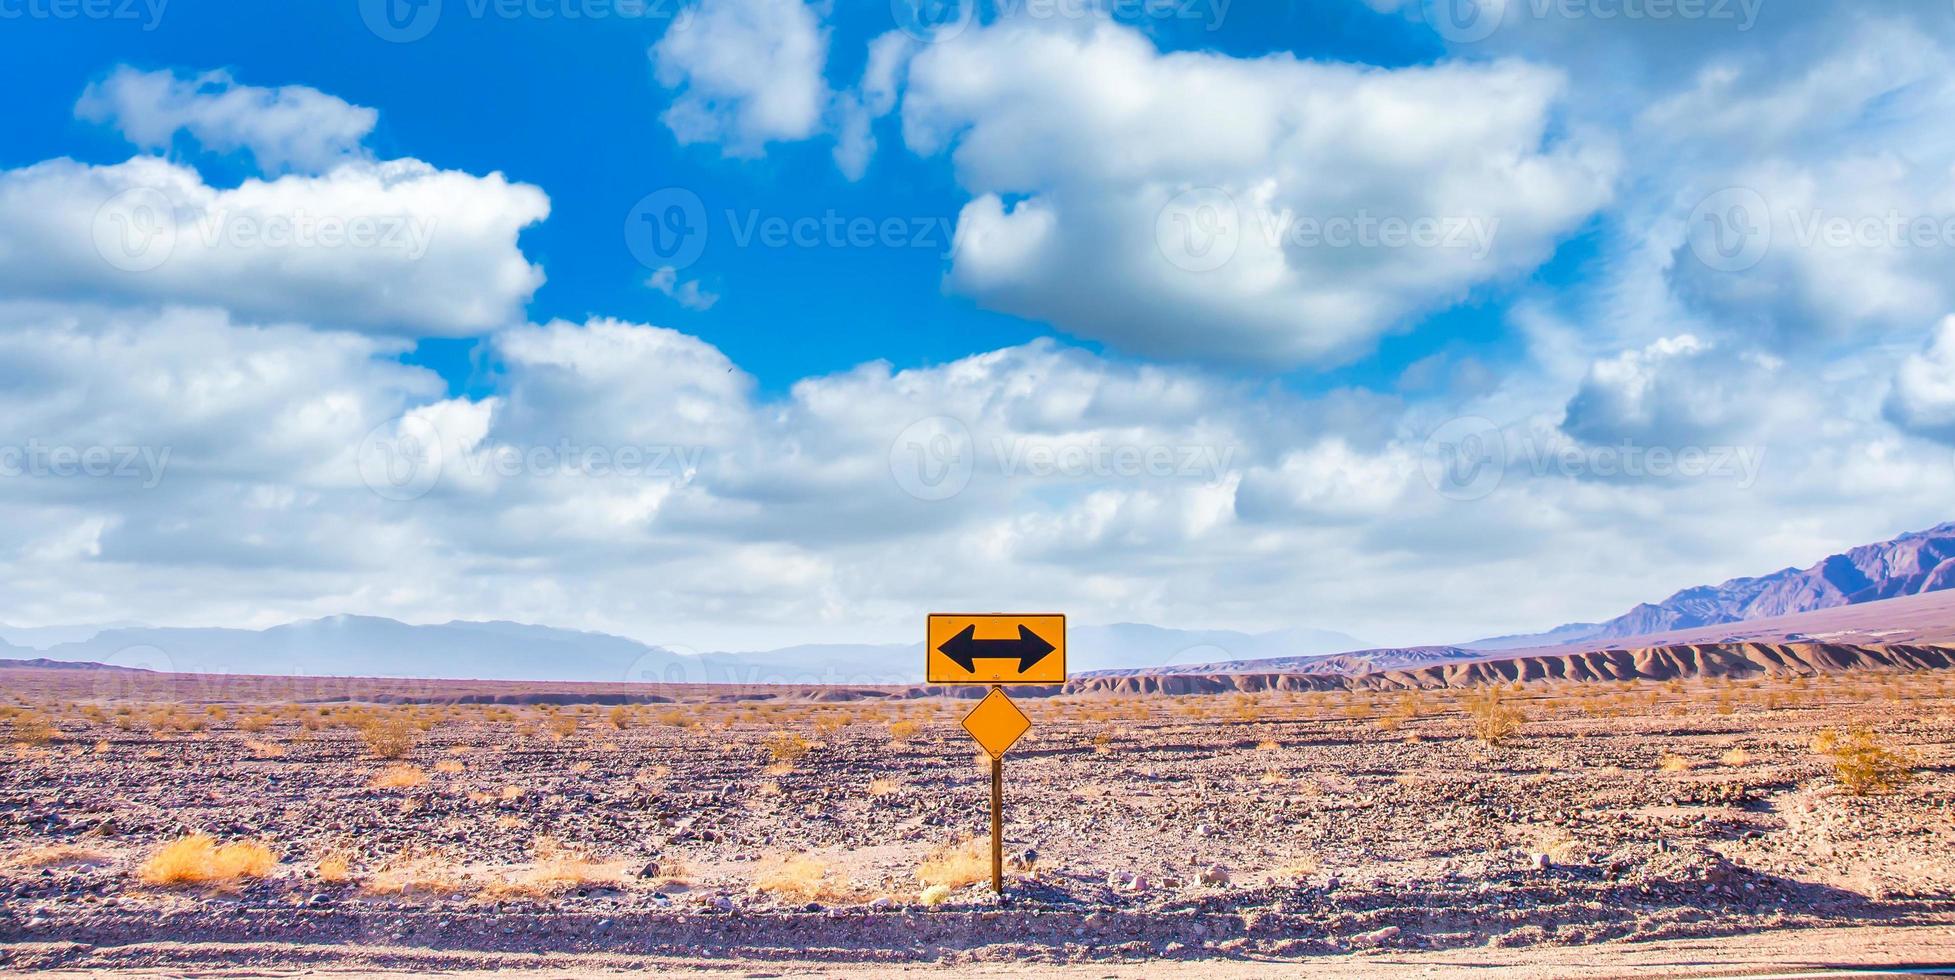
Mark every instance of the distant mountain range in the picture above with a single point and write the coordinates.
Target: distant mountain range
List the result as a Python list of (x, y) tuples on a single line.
[(1912, 564), (367, 646)]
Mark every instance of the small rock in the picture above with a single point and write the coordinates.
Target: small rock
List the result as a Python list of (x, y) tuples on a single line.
[(650, 870), (1215, 875), (1376, 936), (1543, 862)]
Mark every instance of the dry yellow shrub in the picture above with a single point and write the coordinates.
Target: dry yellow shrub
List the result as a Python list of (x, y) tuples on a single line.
[(200, 860)]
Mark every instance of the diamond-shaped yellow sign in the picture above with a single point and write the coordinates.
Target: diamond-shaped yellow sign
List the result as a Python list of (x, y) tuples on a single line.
[(996, 723)]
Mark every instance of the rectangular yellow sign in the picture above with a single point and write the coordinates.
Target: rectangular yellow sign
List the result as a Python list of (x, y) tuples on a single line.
[(995, 648)]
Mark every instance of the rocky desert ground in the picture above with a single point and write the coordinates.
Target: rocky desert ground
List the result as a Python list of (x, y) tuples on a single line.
[(263, 825)]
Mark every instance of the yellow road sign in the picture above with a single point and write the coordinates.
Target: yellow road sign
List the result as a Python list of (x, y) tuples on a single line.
[(996, 723), (996, 648)]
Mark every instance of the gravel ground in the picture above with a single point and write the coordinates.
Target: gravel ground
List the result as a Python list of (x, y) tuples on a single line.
[(1224, 830)]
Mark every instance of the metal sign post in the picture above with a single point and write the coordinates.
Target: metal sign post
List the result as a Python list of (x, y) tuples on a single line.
[(998, 823)]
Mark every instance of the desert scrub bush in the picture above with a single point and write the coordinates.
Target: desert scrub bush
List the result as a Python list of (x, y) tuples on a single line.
[(399, 777), (552, 871), (1673, 763), (903, 731), (254, 724), (955, 865), (1735, 757), (418, 872), (32, 728), (55, 856), (389, 736), (263, 750), (620, 717), (787, 748), (800, 877), (883, 787), (562, 725), (1492, 718), (199, 860), (1863, 763), (335, 868)]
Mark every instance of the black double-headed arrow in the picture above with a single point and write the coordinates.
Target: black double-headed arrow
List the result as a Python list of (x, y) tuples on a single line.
[(965, 649)]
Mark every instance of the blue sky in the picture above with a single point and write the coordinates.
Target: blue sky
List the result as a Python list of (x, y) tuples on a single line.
[(571, 107), (530, 416)]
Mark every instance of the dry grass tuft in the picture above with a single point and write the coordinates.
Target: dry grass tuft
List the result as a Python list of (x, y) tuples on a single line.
[(56, 856), (956, 865), (1735, 758), (449, 767), (335, 868), (1671, 762), (801, 877), (418, 873), (33, 728), (399, 777), (264, 750), (553, 871), (200, 860), (883, 787)]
